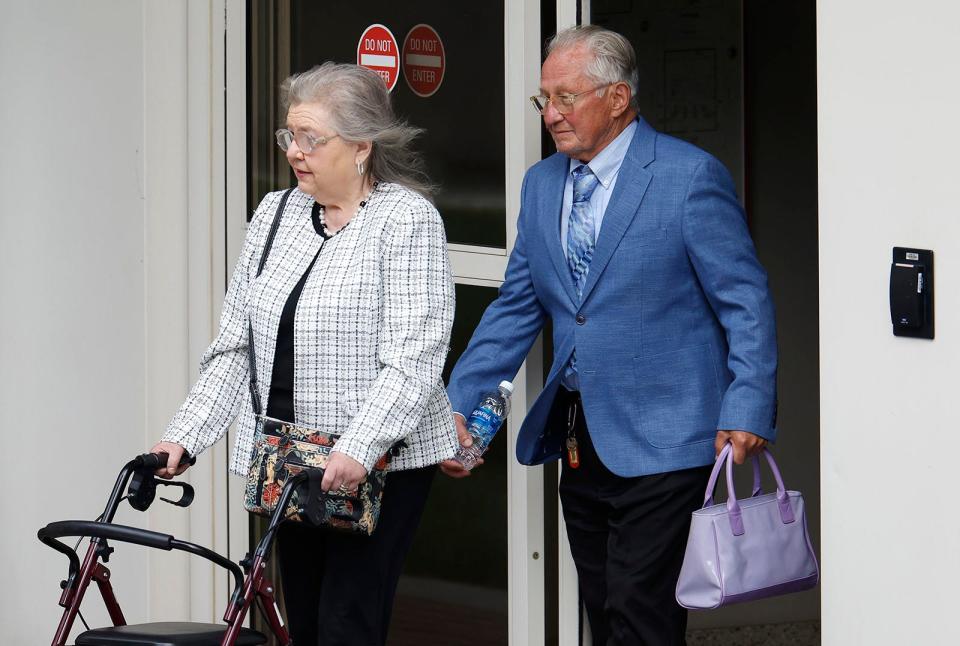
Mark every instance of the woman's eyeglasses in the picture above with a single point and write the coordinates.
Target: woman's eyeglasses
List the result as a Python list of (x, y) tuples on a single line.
[(305, 142)]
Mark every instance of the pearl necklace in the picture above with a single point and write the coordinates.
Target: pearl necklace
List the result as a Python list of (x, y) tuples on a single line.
[(363, 204)]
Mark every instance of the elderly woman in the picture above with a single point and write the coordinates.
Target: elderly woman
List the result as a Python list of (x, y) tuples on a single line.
[(350, 317)]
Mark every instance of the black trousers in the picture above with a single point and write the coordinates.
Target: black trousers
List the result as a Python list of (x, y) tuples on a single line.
[(338, 588), (627, 536)]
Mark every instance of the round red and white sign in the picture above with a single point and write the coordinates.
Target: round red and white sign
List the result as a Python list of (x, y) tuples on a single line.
[(377, 50), (424, 60)]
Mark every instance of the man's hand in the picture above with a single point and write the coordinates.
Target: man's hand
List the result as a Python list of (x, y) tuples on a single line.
[(451, 467), (745, 445), (343, 473), (173, 468)]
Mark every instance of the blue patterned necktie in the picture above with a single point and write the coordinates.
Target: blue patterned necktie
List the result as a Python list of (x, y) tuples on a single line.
[(580, 243), (580, 227)]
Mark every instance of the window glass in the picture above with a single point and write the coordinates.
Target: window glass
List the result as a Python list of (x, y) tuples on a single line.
[(454, 585), (463, 146), (689, 55)]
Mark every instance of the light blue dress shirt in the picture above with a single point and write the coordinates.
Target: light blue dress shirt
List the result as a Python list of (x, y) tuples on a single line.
[(606, 166)]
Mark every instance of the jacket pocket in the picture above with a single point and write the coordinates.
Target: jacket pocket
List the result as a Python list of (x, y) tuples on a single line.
[(677, 396)]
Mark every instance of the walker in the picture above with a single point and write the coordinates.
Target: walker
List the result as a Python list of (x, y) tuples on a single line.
[(140, 494)]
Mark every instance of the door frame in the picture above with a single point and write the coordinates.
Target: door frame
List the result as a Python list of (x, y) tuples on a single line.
[(472, 265), (570, 616)]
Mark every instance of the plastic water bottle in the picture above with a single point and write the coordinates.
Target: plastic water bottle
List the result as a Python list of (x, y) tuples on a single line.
[(484, 422)]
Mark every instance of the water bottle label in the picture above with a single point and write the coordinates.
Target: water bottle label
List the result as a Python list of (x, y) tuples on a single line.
[(484, 414), (484, 424)]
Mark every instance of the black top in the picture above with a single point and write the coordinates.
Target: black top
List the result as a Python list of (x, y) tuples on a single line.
[(280, 401)]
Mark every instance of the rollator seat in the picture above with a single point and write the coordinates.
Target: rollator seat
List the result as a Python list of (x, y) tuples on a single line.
[(167, 633)]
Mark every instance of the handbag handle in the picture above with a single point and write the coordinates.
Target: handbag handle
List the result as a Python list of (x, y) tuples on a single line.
[(754, 492), (733, 506)]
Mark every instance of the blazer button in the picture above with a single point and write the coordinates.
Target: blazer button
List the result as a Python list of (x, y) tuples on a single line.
[(581, 319)]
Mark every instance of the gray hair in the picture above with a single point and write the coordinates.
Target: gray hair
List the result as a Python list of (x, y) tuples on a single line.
[(614, 60), (359, 106)]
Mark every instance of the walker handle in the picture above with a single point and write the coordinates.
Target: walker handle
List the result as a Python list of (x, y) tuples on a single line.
[(159, 460)]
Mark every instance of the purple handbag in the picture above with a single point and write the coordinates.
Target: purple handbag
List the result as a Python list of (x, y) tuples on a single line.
[(748, 549)]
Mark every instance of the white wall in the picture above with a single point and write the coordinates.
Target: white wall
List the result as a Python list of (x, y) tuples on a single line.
[(110, 212), (888, 105), (71, 287)]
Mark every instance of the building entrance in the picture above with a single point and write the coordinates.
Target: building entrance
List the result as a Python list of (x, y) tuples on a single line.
[(738, 79), (490, 563), (467, 579)]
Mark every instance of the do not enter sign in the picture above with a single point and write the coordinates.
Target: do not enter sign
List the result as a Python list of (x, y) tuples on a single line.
[(423, 60), (378, 51)]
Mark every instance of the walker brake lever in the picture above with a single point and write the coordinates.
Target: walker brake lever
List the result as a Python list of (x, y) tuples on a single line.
[(315, 506), (186, 496), (143, 485)]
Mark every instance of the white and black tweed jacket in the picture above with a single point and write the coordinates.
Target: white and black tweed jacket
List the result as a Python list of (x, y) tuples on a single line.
[(370, 333)]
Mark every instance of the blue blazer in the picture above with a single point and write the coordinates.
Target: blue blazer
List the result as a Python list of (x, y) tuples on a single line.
[(675, 332)]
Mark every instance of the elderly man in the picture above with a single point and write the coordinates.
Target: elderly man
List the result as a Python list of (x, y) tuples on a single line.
[(634, 245)]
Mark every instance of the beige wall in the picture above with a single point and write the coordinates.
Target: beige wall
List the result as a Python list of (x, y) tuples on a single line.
[(111, 227), (72, 265), (888, 136)]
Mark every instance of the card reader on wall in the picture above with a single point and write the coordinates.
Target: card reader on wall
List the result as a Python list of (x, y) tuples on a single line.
[(911, 292)]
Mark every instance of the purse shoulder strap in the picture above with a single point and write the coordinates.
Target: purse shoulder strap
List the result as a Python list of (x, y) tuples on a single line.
[(251, 356), (273, 231)]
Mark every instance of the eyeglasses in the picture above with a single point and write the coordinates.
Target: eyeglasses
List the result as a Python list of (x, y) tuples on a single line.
[(562, 103), (305, 142)]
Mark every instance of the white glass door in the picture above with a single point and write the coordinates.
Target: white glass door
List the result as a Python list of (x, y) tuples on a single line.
[(476, 569)]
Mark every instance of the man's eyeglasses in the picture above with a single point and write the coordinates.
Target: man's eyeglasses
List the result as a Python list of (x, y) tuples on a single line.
[(305, 142), (562, 103)]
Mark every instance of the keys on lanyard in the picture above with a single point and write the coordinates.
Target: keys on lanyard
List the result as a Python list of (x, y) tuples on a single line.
[(573, 453)]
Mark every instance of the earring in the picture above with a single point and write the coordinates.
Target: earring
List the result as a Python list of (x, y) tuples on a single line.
[(360, 168)]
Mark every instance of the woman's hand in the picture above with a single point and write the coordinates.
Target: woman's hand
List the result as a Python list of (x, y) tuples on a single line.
[(174, 453), (343, 473)]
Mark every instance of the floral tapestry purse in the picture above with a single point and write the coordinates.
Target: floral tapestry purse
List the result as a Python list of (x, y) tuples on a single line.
[(283, 449), (280, 451)]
